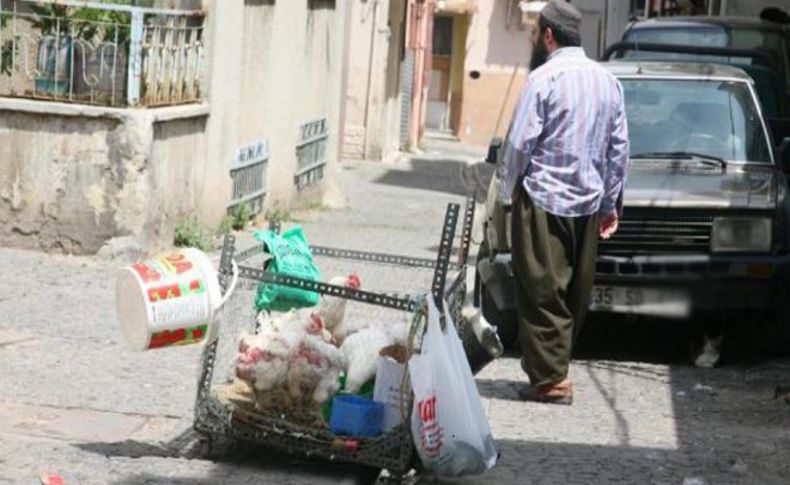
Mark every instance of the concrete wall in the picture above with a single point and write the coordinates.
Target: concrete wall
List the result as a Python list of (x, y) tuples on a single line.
[(275, 66), (392, 94), (75, 177), (457, 71), (372, 96), (46, 201), (179, 146), (501, 55)]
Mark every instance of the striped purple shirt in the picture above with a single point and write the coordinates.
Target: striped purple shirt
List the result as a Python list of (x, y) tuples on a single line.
[(568, 141)]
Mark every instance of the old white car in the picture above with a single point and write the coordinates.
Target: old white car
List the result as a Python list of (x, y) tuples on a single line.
[(705, 220)]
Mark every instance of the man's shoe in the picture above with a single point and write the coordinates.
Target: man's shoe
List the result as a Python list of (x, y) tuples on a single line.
[(559, 393)]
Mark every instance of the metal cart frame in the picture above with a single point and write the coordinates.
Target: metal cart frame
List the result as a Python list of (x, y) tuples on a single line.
[(393, 451)]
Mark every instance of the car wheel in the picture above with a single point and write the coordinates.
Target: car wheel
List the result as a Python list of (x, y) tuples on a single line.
[(506, 323)]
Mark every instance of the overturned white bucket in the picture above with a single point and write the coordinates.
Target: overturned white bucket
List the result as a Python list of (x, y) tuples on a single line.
[(170, 300)]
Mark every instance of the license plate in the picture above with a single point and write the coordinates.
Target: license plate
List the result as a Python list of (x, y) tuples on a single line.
[(642, 301)]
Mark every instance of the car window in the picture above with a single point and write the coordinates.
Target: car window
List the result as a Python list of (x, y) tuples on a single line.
[(716, 118), (633, 54), (699, 36), (772, 43), (755, 39)]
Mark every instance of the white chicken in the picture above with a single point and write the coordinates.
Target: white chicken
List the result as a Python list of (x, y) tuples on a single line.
[(263, 361), (276, 323), (333, 309), (314, 371), (315, 363), (294, 322), (362, 348), (292, 362)]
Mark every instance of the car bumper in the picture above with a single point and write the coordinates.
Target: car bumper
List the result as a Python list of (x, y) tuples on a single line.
[(711, 282)]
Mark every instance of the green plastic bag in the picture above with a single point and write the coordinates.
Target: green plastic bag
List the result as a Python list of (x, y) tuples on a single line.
[(291, 256)]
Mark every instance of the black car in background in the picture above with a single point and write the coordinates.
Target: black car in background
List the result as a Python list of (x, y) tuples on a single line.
[(759, 47)]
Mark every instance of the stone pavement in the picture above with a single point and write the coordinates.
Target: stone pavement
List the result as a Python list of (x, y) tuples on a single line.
[(74, 402)]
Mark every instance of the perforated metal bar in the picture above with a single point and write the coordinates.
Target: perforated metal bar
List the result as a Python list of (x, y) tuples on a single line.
[(445, 250), (210, 350), (466, 232), (226, 260), (459, 280), (249, 253), (379, 299), (373, 257), (348, 254)]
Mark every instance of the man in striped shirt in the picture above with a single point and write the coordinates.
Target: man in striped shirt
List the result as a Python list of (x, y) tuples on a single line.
[(565, 163)]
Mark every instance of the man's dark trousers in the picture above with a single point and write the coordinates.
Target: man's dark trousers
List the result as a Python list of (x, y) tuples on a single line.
[(554, 265)]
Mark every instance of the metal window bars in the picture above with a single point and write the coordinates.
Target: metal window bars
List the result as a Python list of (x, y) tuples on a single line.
[(248, 172), (100, 53), (311, 151), (217, 417)]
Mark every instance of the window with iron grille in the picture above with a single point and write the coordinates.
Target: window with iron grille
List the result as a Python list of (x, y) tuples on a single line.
[(248, 172), (311, 150)]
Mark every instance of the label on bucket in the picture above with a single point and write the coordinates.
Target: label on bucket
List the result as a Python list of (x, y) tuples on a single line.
[(181, 336), (176, 290), (178, 302), (174, 264), (179, 310)]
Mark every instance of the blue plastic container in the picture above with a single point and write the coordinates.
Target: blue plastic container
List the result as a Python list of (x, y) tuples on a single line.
[(357, 417)]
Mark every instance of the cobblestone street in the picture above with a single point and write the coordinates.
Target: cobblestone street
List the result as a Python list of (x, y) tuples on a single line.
[(73, 402)]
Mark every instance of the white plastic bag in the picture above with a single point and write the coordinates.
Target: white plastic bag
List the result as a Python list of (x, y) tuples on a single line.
[(448, 424)]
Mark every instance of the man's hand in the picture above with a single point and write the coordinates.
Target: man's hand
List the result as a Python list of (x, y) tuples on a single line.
[(609, 225)]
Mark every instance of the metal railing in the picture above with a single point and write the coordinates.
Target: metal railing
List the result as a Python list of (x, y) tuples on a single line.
[(100, 53), (248, 173)]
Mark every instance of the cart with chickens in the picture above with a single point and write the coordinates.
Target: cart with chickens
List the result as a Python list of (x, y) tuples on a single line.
[(303, 381)]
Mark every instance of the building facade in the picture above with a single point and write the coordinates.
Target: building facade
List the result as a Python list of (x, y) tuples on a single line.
[(373, 79), (207, 106)]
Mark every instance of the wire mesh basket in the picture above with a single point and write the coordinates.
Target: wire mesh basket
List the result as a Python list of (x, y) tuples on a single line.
[(392, 284)]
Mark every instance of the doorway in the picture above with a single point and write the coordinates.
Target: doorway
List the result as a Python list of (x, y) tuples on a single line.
[(438, 116)]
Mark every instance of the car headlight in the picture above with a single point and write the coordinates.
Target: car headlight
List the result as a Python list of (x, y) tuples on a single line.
[(741, 234)]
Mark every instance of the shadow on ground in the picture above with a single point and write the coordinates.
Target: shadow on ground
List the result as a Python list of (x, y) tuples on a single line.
[(425, 174), (728, 426), (450, 176), (561, 463), (230, 459)]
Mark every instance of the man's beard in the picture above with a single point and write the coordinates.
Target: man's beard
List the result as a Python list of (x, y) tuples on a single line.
[(540, 54)]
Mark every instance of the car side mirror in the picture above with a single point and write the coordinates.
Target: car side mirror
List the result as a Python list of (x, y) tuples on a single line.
[(493, 150)]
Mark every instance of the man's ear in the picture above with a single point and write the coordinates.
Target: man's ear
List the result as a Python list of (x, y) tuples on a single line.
[(548, 37)]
